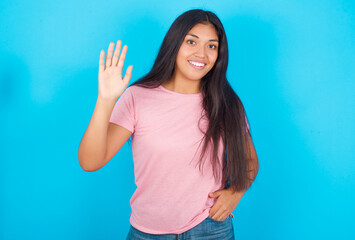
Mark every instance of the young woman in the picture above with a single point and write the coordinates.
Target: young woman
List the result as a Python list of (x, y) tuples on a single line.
[(192, 150)]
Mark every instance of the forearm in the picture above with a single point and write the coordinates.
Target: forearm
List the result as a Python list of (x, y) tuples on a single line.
[(253, 164), (92, 147)]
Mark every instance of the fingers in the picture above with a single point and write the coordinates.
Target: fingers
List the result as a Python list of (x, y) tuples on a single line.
[(116, 59), (101, 62), (116, 53), (128, 75), (219, 215), (109, 54), (122, 58)]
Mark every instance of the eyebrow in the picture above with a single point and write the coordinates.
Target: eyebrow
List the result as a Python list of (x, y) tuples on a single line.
[(211, 40)]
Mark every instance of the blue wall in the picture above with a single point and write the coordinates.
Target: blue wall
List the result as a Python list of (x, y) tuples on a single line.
[(291, 63)]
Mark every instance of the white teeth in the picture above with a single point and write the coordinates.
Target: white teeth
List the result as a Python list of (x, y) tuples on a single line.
[(197, 64)]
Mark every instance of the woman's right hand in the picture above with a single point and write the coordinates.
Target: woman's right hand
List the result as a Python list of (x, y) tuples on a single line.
[(111, 82)]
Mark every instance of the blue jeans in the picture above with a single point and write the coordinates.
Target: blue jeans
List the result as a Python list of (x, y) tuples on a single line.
[(208, 229)]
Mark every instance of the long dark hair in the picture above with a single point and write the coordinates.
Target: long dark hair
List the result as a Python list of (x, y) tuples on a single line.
[(223, 108)]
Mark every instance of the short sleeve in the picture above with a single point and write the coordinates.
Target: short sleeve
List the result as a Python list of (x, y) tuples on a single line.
[(123, 113)]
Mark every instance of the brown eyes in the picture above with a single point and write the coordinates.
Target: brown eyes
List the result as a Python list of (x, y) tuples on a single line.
[(191, 42)]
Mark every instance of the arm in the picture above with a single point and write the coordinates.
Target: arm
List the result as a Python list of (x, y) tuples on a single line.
[(228, 199), (92, 147), (102, 140), (253, 162)]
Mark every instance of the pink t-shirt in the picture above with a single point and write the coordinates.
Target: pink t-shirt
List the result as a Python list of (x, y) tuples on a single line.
[(172, 193)]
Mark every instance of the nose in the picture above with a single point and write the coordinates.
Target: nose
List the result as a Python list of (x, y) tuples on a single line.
[(200, 52)]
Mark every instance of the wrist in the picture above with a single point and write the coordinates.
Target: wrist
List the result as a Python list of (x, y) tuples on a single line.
[(238, 194), (106, 100)]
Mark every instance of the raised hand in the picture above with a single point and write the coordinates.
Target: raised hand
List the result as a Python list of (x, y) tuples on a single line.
[(111, 82)]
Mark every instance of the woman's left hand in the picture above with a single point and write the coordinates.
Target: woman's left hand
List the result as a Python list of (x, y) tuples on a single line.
[(227, 201)]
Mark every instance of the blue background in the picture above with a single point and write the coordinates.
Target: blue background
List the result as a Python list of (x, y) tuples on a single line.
[(291, 63)]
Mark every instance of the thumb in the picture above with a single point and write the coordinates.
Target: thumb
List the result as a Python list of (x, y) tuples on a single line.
[(214, 194)]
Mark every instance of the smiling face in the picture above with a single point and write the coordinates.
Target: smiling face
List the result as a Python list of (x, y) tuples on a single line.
[(198, 53)]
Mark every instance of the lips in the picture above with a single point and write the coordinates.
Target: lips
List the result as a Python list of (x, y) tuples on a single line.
[(197, 65)]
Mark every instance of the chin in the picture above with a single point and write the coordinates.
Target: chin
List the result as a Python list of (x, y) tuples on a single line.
[(195, 77)]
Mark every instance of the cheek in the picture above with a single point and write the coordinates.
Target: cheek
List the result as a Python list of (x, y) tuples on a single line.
[(182, 56), (179, 58), (181, 62), (213, 59), (184, 51)]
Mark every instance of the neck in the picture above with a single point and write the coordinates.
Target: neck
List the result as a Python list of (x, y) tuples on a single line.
[(182, 85)]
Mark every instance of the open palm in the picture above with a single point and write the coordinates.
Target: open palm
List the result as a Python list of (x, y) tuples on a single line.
[(111, 82)]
